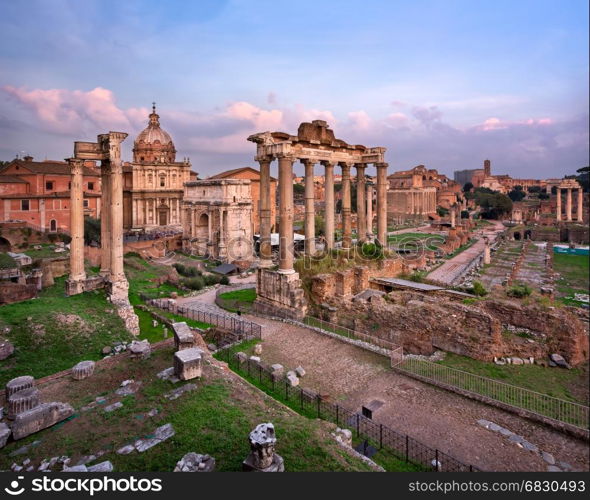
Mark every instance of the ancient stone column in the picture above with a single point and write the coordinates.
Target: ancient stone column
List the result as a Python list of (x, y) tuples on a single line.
[(558, 203), (116, 209), (580, 214), (77, 272), (453, 222), (361, 218), (487, 258), (265, 213), (309, 208), (382, 203), (568, 204), (286, 250), (329, 204), (369, 223), (222, 229), (105, 220), (346, 210)]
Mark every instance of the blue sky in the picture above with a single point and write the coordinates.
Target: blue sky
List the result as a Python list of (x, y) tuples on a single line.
[(445, 83)]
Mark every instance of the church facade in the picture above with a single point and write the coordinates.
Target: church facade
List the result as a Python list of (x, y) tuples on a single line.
[(154, 182)]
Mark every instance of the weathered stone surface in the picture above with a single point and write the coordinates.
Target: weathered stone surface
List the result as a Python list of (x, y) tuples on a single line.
[(4, 434), (187, 363), (242, 357), (113, 407), (82, 370), (22, 401), (484, 423), (160, 434), (125, 450), (140, 349), (344, 436), (255, 360), (194, 462), (75, 468), (18, 384), (258, 349), (128, 387), (86, 459), (183, 336), (106, 350), (559, 360), (39, 418), (506, 432), (6, 349), (292, 379), (553, 468), (530, 447), (299, 371), (105, 466), (176, 393), (548, 457), (262, 457)]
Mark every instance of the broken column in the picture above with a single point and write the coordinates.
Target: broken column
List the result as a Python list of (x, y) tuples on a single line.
[(82, 370), (22, 401), (187, 363), (265, 212), (195, 462), (140, 349), (183, 336), (369, 223), (568, 204), (262, 457), (487, 259), (18, 384), (558, 203), (39, 418), (286, 250)]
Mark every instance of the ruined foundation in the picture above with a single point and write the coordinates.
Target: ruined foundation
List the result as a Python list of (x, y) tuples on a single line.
[(280, 295)]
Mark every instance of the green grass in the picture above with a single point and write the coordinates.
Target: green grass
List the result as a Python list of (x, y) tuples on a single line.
[(574, 276), (7, 262), (48, 251), (237, 300), (60, 345), (417, 240), (554, 382)]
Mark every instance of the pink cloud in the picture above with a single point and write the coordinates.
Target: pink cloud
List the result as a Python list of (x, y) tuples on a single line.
[(497, 124)]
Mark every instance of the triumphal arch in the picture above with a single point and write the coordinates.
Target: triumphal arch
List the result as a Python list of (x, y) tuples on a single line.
[(279, 292), (107, 149)]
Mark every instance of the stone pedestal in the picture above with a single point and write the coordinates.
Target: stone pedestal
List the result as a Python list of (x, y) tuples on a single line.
[(140, 349), (280, 295), (187, 363), (39, 418), (183, 336), (262, 457)]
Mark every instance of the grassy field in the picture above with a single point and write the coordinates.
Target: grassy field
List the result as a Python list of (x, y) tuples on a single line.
[(61, 331), (574, 271), (571, 385), (416, 240), (238, 299), (215, 419), (47, 251)]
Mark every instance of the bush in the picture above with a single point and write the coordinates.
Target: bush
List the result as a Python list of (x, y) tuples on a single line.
[(224, 280), (132, 254), (478, 289), (188, 271), (372, 251), (211, 279), (196, 283), (519, 291)]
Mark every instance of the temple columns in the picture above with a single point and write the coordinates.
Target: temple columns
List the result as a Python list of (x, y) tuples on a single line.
[(453, 222), (346, 208), (77, 272), (580, 214), (309, 209), (382, 203), (117, 273), (105, 220), (265, 213), (286, 249), (568, 204), (361, 219), (369, 223), (329, 203), (558, 203)]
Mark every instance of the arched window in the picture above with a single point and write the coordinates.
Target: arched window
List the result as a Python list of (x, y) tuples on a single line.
[(53, 225)]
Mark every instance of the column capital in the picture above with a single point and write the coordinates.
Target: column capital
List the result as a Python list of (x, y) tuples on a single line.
[(328, 164), (360, 166), (381, 165), (264, 159), (308, 161), (345, 166), (286, 156), (76, 165)]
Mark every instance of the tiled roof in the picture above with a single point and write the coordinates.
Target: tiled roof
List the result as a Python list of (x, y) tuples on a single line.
[(48, 167)]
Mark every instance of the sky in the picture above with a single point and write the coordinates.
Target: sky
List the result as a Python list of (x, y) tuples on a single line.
[(442, 83)]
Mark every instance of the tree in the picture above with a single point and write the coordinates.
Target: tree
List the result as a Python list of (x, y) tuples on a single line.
[(465, 214), (467, 187), (493, 204), (517, 194), (298, 189), (534, 189), (441, 211), (91, 230)]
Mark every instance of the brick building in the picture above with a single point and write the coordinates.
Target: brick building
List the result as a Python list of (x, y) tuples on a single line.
[(38, 193)]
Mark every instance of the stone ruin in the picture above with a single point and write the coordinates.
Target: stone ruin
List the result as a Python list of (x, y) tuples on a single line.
[(194, 462), (183, 336), (187, 363), (262, 457), (82, 370), (26, 411)]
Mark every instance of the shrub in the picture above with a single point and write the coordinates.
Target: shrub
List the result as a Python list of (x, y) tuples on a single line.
[(132, 254), (224, 280), (478, 289), (211, 279), (188, 271), (519, 291), (196, 283)]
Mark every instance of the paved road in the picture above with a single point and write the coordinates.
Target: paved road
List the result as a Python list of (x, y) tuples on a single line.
[(451, 269)]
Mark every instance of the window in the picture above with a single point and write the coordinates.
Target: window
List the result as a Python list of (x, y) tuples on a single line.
[(49, 186), (24, 205), (85, 203), (162, 181), (69, 185), (91, 186)]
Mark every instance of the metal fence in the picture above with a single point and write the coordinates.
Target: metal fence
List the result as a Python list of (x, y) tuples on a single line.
[(541, 404), (243, 327), (384, 439), (348, 333)]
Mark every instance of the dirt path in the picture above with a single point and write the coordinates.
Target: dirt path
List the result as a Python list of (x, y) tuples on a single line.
[(440, 419)]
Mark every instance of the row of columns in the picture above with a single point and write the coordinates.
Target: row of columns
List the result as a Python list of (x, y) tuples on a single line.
[(568, 206), (364, 208)]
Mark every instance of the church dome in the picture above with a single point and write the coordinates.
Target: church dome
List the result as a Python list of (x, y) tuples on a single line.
[(153, 144)]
